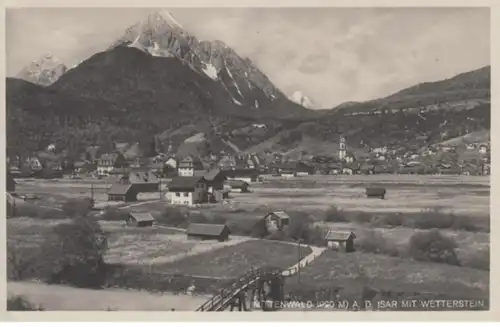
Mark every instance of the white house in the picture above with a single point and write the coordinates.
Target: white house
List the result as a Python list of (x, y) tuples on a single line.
[(109, 161), (189, 165), (187, 190)]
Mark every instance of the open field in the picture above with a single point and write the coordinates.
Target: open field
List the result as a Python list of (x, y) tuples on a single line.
[(155, 245), (231, 262), (58, 297), (354, 271), (405, 193)]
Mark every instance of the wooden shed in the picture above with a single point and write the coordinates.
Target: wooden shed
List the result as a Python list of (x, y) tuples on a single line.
[(341, 241), (276, 220), (208, 232), (375, 192), (121, 192), (140, 219)]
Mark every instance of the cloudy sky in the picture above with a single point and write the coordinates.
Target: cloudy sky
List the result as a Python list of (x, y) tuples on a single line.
[(332, 55)]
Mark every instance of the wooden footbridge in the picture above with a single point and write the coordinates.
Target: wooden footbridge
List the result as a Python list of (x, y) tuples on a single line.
[(257, 289)]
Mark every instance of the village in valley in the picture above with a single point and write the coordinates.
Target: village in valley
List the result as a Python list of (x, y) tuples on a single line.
[(174, 176), (233, 201)]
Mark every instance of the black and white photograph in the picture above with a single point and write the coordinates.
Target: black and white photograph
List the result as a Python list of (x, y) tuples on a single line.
[(271, 159)]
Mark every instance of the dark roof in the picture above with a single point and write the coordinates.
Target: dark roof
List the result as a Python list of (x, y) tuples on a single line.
[(141, 177), (212, 174), (280, 214), (182, 183), (190, 162), (205, 229), (252, 172), (109, 156), (236, 183), (142, 216), (338, 236), (119, 189)]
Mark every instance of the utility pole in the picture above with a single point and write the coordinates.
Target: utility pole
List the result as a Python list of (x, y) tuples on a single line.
[(298, 262)]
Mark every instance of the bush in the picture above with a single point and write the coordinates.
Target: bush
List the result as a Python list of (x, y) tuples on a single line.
[(114, 214), (360, 217), (479, 260), (172, 216), (21, 260), (433, 218), (374, 242), (19, 303), (433, 246), (77, 207), (218, 220), (34, 211), (73, 254), (390, 219), (334, 214), (259, 230)]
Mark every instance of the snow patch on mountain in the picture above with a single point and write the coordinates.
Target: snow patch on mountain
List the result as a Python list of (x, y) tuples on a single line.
[(234, 82), (200, 137), (237, 102), (211, 71)]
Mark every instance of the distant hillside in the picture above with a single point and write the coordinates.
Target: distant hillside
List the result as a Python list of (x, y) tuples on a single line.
[(470, 85)]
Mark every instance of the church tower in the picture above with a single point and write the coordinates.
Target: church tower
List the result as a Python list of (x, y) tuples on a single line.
[(342, 149)]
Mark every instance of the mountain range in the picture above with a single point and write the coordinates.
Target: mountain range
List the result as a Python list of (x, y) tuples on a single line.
[(158, 81)]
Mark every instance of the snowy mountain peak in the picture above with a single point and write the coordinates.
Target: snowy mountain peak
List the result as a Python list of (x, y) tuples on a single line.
[(161, 35), (303, 100), (162, 17), (43, 71)]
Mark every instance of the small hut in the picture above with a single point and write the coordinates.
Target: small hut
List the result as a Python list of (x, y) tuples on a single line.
[(124, 193), (341, 241), (140, 219), (208, 232), (375, 192), (276, 220)]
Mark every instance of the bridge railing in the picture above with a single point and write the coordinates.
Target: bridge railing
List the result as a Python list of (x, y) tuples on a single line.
[(225, 293)]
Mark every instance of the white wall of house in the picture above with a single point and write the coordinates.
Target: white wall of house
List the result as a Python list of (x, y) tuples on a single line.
[(181, 198), (104, 170), (287, 175), (185, 172), (188, 198), (302, 173)]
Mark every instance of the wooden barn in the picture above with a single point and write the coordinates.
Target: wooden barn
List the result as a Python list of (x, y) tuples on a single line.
[(140, 219), (375, 192), (122, 193), (340, 241), (276, 220), (208, 232)]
